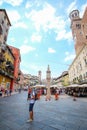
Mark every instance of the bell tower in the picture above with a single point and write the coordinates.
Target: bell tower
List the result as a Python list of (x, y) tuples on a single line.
[(48, 78), (39, 76), (77, 27)]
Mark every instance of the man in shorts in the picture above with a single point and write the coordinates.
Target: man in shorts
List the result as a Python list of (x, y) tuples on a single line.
[(31, 99)]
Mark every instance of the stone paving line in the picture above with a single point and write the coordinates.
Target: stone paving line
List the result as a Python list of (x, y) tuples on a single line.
[(63, 114)]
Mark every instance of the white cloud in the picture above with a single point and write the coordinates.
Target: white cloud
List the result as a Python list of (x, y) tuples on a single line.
[(34, 67), (12, 39), (36, 38), (15, 18), (1, 2), (28, 5), (13, 2), (69, 56), (61, 35), (42, 18), (13, 15), (68, 36), (26, 49), (20, 24), (38, 67), (51, 50), (71, 7), (64, 35), (25, 40)]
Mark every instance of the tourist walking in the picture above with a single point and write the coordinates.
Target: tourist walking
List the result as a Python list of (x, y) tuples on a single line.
[(56, 94)]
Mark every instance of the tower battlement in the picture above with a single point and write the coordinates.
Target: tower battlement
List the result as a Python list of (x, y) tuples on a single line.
[(74, 15)]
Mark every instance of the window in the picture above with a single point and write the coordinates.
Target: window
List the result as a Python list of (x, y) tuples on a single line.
[(7, 24), (5, 17), (79, 66), (85, 61), (86, 74), (2, 22), (80, 33), (78, 26), (6, 30), (75, 14), (80, 77), (7, 84), (5, 37), (72, 16)]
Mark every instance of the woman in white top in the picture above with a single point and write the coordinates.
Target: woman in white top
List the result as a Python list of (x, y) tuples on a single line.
[(31, 99)]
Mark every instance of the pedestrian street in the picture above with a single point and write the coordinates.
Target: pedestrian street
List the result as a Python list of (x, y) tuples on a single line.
[(61, 114)]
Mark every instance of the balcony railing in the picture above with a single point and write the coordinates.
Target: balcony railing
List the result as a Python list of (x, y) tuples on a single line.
[(9, 65)]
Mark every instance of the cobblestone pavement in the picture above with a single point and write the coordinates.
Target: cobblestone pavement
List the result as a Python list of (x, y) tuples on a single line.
[(63, 114)]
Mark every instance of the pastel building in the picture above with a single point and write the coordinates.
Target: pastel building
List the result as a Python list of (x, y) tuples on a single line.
[(6, 56), (17, 72)]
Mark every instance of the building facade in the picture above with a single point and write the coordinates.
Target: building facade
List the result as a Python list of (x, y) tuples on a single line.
[(62, 80), (78, 68), (79, 29), (7, 69), (21, 81), (4, 27), (6, 56), (39, 77), (17, 72)]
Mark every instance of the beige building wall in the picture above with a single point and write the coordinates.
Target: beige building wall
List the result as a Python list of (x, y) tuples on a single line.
[(78, 69), (4, 26)]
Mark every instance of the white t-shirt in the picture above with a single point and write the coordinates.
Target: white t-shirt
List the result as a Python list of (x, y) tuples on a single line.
[(31, 95)]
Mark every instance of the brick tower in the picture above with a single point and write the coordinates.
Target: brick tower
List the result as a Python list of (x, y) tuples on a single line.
[(39, 76), (79, 29), (48, 78)]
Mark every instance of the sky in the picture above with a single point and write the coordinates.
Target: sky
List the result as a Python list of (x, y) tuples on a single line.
[(41, 30)]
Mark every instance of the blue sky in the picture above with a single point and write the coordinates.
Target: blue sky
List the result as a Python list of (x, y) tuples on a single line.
[(41, 30)]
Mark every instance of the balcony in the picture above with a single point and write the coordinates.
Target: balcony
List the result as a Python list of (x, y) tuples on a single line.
[(17, 79), (9, 65), (83, 81), (2, 71), (19, 73)]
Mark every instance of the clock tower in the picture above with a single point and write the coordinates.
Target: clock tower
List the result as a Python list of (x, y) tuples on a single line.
[(48, 79), (78, 29)]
